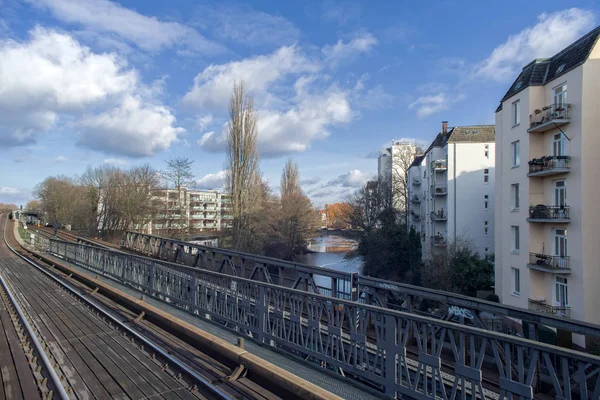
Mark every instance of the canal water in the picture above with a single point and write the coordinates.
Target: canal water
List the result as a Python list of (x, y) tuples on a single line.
[(329, 252)]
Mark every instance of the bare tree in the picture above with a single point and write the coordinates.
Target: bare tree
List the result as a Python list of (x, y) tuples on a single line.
[(59, 196), (242, 158), (290, 180), (364, 210), (400, 164), (178, 175), (299, 220)]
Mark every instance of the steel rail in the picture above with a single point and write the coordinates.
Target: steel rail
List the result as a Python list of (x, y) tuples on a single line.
[(38, 346), (93, 304)]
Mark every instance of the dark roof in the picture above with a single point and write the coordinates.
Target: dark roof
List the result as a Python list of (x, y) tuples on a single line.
[(474, 133), (416, 161), (542, 70)]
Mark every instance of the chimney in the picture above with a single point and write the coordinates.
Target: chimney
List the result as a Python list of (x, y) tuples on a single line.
[(444, 126)]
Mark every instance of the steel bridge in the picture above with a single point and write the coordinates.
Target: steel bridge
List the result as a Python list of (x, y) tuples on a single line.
[(366, 328), (349, 286)]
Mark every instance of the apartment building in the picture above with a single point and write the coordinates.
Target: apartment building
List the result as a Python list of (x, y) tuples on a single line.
[(547, 248), (190, 210), (392, 165), (451, 189)]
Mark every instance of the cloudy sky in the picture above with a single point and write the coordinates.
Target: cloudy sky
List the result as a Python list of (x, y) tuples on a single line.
[(91, 82)]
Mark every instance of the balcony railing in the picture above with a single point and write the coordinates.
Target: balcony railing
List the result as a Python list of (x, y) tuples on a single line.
[(548, 263), (438, 241), (543, 213), (549, 117), (440, 191), (549, 165), (541, 307), (439, 215), (439, 165)]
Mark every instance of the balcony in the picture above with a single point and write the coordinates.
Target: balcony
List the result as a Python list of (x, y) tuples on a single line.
[(439, 215), (548, 263), (415, 199), (440, 191), (541, 307), (543, 213), (438, 241), (549, 117), (439, 165), (415, 216), (416, 181), (549, 165)]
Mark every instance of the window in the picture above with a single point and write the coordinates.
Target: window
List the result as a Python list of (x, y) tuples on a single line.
[(561, 293), (515, 196), (516, 110), (486, 153), (560, 95), (516, 280), (560, 242), (558, 145), (560, 193), (486, 225), (486, 202), (486, 175), (516, 156), (515, 239), (486, 249)]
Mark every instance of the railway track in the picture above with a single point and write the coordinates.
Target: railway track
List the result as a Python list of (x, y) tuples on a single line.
[(97, 355)]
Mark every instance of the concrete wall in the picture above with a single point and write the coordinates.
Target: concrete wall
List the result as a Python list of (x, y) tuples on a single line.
[(466, 190), (583, 89), (590, 187)]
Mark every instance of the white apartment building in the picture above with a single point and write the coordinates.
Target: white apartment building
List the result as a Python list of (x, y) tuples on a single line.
[(392, 164), (546, 145), (197, 211), (451, 189)]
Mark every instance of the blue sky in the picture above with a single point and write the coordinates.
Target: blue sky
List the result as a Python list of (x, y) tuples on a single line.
[(91, 82)]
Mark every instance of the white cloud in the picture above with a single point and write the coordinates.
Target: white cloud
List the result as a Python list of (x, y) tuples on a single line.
[(133, 128), (434, 103), (115, 161), (204, 121), (212, 87), (148, 33), (375, 98), (293, 130), (341, 12), (296, 104), (354, 179), (427, 105), (212, 181), (552, 33), (310, 181), (242, 24), (60, 159), (52, 75), (9, 191), (339, 51)]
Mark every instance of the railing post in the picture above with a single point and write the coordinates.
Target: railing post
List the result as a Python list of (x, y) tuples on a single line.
[(391, 371), (262, 311)]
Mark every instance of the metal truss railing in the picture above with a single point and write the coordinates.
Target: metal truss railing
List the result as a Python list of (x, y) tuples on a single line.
[(401, 353), (349, 286), (265, 269)]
